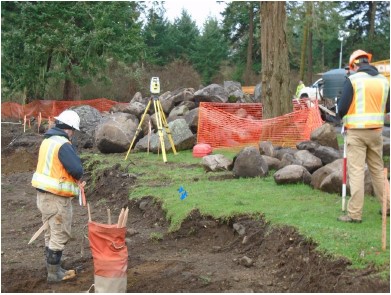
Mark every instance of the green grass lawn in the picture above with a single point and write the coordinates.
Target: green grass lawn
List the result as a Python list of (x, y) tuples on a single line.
[(312, 212)]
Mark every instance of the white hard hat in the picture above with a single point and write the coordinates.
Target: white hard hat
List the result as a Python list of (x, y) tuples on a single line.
[(70, 118)]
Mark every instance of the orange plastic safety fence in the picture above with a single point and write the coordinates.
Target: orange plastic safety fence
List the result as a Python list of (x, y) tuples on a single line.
[(49, 108), (301, 104), (233, 125)]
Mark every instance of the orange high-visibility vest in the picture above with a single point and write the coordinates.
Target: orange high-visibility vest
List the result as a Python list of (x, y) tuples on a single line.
[(51, 175), (369, 101)]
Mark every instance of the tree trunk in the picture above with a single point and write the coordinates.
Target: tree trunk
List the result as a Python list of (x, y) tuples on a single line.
[(275, 66), (309, 20), (310, 64), (249, 60), (70, 91), (322, 55), (304, 44), (303, 52), (372, 7)]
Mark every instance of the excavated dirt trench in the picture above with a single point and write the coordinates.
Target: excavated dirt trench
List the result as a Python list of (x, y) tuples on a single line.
[(204, 255)]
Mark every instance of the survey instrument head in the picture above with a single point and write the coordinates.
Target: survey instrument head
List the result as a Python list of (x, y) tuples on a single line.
[(155, 85)]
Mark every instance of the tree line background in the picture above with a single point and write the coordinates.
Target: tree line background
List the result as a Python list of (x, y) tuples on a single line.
[(83, 50)]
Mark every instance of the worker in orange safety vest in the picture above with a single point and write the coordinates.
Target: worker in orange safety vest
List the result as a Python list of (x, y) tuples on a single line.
[(56, 179), (364, 101)]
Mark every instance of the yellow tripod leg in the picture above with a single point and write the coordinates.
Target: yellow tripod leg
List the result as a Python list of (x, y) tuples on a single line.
[(138, 128), (160, 130), (168, 131)]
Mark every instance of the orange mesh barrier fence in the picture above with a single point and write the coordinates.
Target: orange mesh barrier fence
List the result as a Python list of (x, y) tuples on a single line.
[(302, 104), (50, 108), (235, 125)]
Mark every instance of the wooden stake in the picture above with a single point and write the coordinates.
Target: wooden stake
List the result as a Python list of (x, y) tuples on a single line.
[(386, 195), (89, 212), (149, 135), (39, 231), (39, 120), (109, 216), (125, 217), (120, 217)]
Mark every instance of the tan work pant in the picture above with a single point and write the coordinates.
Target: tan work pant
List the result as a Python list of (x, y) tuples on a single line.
[(364, 145), (58, 210)]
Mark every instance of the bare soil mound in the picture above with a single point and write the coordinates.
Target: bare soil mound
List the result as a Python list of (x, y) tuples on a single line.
[(241, 254)]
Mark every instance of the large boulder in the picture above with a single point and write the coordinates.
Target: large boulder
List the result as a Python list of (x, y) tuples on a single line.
[(266, 148), (327, 154), (191, 119), (174, 98), (329, 179), (181, 134), (136, 108), (167, 101), (319, 175), (89, 119), (139, 98), (258, 93), (216, 162), (272, 163), (234, 91), (115, 132), (308, 160), (325, 135), (292, 174), (332, 183), (309, 145), (289, 159), (180, 110), (249, 163), (279, 153), (211, 93)]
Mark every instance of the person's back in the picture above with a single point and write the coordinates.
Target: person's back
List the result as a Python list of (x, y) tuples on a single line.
[(369, 112)]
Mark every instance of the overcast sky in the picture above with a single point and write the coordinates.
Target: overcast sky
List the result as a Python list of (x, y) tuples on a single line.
[(199, 10)]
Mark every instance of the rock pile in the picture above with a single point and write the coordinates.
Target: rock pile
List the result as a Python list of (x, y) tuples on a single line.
[(316, 162), (113, 132)]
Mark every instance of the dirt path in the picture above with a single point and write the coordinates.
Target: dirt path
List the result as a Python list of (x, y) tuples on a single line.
[(205, 255)]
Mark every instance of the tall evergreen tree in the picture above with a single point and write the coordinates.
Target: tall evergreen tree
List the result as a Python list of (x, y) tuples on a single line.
[(210, 50), (156, 37), (183, 36), (65, 41), (241, 27), (369, 25)]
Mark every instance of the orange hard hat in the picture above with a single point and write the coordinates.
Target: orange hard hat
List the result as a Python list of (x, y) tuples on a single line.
[(356, 55)]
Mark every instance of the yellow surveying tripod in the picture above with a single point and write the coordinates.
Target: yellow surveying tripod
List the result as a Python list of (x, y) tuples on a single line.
[(160, 119)]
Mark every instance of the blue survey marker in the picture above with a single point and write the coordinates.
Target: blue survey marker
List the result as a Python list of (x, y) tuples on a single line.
[(182, 192)]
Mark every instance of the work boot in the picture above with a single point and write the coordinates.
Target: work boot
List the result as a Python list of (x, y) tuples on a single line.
[(55, 272), (346, 218), (66, 272)]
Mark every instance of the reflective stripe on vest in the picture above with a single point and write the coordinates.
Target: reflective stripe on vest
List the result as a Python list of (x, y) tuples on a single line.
[(369, 101), (51, 176)]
